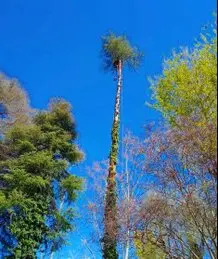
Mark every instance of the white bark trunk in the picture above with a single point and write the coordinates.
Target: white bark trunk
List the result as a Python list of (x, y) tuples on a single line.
[(119, 84)]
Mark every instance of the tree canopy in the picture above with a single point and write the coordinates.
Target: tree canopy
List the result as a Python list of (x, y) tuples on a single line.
[(35, 179), (115, 48), (187, 87)]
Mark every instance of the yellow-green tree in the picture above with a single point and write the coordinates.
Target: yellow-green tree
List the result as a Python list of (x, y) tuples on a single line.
[(187, 87), (147, 248), (186, 95)]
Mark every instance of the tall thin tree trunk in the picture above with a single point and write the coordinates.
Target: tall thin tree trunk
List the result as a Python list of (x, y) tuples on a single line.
[(110, 214), (128, 209)]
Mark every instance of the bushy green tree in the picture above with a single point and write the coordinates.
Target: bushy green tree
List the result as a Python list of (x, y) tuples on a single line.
[(35, 179)]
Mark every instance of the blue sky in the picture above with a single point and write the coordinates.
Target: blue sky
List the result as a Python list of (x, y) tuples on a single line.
[(53, 48)]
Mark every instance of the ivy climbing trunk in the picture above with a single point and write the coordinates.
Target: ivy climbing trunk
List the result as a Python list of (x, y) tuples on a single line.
[(110, 214)]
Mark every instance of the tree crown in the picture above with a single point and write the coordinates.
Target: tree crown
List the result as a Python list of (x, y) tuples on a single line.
[(118, 48), (187, 87)]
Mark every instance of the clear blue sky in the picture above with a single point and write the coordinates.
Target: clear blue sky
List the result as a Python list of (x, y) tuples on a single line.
[(53, 46)]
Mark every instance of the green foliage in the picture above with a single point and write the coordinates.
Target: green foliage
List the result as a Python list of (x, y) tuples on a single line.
[(28, 226), (32, 176), (19, 178), (188, 85), (110, 215), (146, 248), (117, 48), (115, 143), (186, 95), (72, 184), (110, 251)]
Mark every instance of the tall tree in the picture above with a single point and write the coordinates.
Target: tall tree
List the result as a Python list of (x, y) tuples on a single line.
[(117, 52), (186, 95), (183, 157), (35, 179)]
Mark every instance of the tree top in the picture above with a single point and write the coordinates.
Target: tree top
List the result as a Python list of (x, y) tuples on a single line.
[(118, 48)]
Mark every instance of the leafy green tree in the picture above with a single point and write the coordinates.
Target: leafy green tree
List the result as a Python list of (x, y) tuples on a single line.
[(187, 87), (35, 180), (117, 52), (186, 95)]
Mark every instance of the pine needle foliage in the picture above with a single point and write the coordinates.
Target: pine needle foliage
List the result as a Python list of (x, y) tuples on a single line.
[(34, 178), (118, 48)]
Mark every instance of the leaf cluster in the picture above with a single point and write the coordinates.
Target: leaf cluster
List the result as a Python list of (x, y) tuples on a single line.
[(118, 48)]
